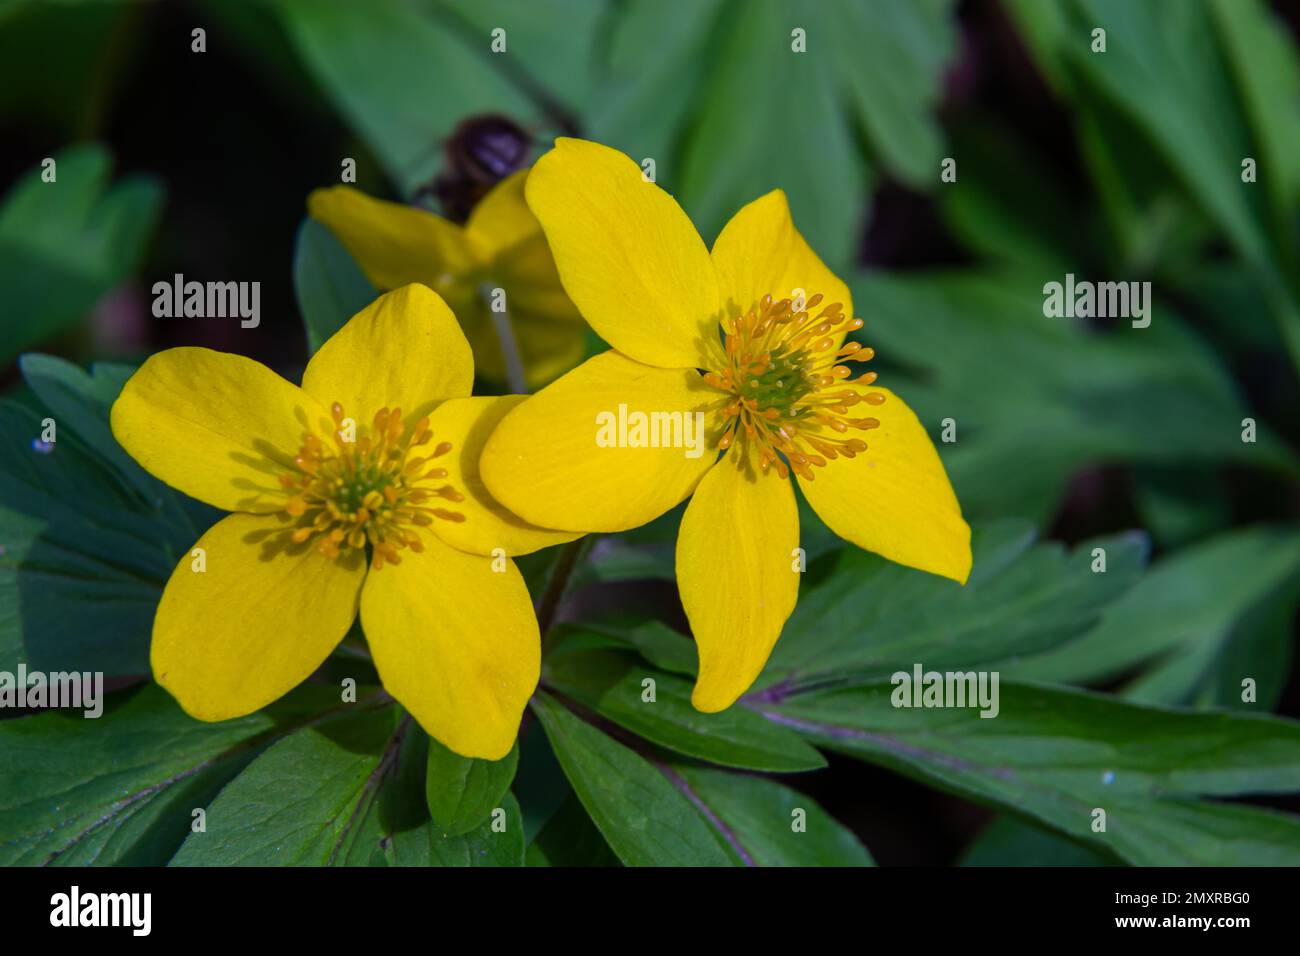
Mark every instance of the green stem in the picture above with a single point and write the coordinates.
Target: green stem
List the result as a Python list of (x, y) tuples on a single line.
[(556, 587)]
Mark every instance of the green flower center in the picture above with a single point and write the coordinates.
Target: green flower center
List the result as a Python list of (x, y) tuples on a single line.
[(371, 487), (788, 391)]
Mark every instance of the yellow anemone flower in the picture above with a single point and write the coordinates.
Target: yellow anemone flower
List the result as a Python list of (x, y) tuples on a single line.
[(751, 337), (377, 450), (500, 247)]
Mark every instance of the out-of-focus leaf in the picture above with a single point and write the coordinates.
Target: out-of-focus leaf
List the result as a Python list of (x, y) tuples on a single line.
[(555, 66), (1180, 504), (1057, 756), (569, 838), (1009, 206), (1035, 398), (430, 77), (64, 244), (871, 617), (763, 823), (1198, 80), (462, 792), (1008, 841), (329, 285), (644, 818), (681, 88), (614, 685), (657, 643), (120, 789), (1195, 602)]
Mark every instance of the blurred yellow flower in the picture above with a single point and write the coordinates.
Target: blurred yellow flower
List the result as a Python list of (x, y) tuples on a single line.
[(765, 320), (501, 247), (269, 591)]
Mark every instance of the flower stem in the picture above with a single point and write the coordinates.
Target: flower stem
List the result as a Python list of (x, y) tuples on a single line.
[(509, 344), (555, 588)]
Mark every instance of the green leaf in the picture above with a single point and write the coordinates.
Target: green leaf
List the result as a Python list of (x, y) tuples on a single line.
[(64, 244), (1034, 398), (1008, 841), (1198, 81), (1056, 756), (299, 802), (681, 86), (569, 838), (763, 823), (557, 68), (643, 817), (432, 77), (870, 617), (87, 537), (329, 285), (462, 792), (120, 789), (613, 684), (482, 846), (1197, 598), (658, 643)]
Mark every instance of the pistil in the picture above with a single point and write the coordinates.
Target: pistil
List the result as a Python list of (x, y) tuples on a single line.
[(789, 385), (370, 486)]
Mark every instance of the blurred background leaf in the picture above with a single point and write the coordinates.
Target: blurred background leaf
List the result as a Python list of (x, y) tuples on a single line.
[(64, 244)]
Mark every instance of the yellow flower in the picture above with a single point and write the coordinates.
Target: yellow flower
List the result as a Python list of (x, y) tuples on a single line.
[(775, 395), (376, 451), (501, 247)]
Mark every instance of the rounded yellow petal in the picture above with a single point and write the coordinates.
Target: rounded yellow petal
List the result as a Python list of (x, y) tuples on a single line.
[(456, 643), (404, 350), (736, 575), (255, 622), (760, 252), (627, 254), (502, 218), (219, 427), (572, 456), (894, 498), (548, 331), (395, 244), (488, 525)]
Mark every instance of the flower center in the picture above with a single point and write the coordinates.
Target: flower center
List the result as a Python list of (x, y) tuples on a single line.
[(786, 385), (369, 487)]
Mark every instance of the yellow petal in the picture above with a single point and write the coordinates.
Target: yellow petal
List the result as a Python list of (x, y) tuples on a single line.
[(219, 427), (735, 573), (404, 350), (467, 423), (894, 499), (545, 461), (456, 643), (548, 331), (547, 347), (261, 617), (395, 244), (502, 218), (760, 252), (628, 255)]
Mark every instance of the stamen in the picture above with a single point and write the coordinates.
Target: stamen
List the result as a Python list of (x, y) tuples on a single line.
[(367, 492), (786, 383)]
